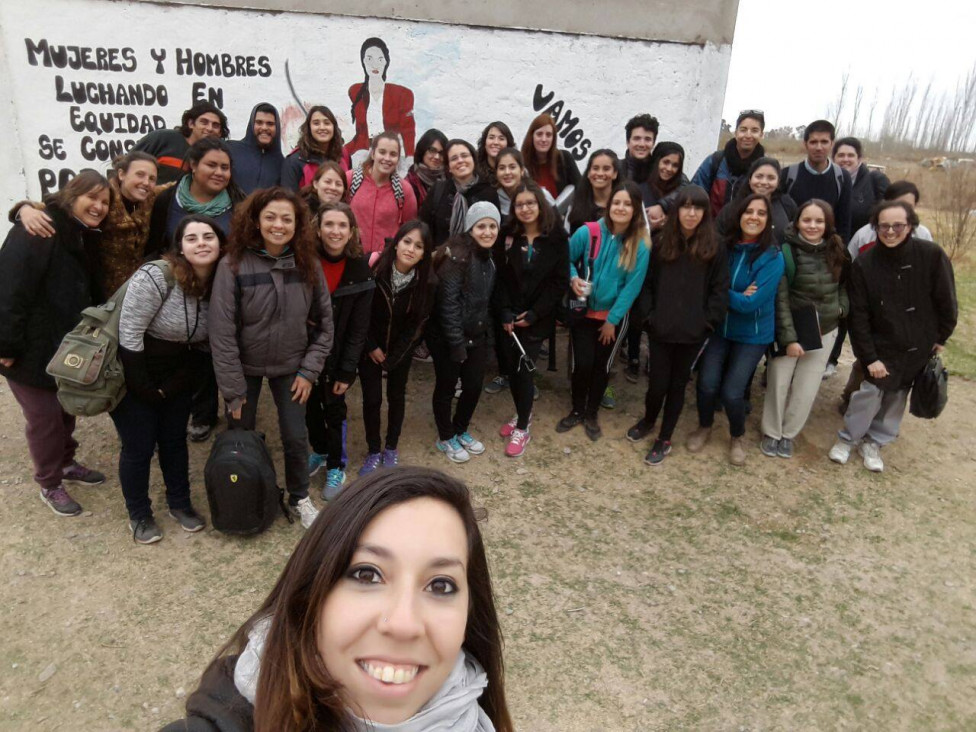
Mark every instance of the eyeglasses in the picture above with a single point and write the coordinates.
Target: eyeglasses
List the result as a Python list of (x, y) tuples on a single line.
[(526, 204), (896, 228)]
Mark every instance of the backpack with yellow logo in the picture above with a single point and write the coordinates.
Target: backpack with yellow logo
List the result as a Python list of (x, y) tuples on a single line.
[(242, 487)]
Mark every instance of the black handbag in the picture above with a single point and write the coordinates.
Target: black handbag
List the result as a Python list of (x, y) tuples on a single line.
[(930, 390)]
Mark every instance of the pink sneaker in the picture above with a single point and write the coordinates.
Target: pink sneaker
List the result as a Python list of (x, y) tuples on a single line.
[(506, 429), (517, 443)]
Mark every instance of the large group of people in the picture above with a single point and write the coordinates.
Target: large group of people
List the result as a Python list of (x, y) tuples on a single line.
[(246, 266)]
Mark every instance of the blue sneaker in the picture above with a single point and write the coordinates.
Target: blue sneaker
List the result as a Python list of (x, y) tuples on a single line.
[(334, 480), (391, 458), (452, 448), (315, 462), (371, 463), (469, 443)]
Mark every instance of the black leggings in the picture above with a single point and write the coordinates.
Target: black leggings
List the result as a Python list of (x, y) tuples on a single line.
[(324, 415), (446, 373), (669, 367), (591, 364), (520, 379), (371, 377)]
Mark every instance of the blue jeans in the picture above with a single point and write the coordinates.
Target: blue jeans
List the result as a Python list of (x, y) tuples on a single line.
[(142, 427), (726, 368)]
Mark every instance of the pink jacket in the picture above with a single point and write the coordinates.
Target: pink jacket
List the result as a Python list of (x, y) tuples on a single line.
[(377, 212)]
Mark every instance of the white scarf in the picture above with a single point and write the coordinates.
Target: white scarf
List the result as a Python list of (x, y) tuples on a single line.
[(454, 708)]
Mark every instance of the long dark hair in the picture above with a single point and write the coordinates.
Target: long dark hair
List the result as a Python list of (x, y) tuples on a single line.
[(765, 239), (295, 691), (363, 95), (547, 217), (198, 151), (662, 150), (308, 148), (182, 270), (383, 266), (245, 232), (583, 203), (484, 166), (743, 189), (834, 245), (702, 246), (424, 144)]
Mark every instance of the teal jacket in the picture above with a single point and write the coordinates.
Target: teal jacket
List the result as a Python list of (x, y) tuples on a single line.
[(753, 319), (614, 288)]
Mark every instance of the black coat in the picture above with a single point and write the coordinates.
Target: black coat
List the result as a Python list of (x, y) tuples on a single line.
[(351, 304), (903, 302), (397, 321), (44, 286), (217, 705), (535, 289), (436, 209), (684, 301), (868, 191), (466, 280)]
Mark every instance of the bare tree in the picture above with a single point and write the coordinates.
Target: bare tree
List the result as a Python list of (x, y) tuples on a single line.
[(954, 218), (836, 108), (855, 113)]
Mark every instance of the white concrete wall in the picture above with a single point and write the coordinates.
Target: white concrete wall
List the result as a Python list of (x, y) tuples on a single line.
[(461, 78)]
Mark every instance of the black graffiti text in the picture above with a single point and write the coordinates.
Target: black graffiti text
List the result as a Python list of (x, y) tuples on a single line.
[(191, 63), (104, 123), (79, 57), (125, 95), (574, 139)]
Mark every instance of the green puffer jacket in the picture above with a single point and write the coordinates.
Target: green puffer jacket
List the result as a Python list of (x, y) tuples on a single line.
[(813, 282)]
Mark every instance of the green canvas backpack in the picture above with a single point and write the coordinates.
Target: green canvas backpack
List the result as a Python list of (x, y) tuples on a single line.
[(86, 367)]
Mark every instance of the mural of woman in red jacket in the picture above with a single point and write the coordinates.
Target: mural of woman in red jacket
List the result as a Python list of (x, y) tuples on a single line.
[(378, 105)]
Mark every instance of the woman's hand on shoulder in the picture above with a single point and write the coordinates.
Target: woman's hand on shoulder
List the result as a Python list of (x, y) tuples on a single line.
[(36, 222)]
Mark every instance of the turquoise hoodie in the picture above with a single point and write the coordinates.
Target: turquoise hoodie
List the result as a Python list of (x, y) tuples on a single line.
[(614, 288), (753, 319)]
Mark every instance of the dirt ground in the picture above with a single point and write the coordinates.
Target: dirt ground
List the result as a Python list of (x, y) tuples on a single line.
[(784, 595)]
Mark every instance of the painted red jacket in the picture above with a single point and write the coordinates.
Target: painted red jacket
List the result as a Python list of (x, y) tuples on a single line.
[(397, 117)]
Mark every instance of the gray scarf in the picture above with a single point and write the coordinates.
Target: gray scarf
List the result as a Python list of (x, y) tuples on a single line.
[(459, 208), (454, 708)]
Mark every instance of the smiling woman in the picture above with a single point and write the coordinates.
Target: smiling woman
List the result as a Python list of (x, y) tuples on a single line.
[(384, 614)]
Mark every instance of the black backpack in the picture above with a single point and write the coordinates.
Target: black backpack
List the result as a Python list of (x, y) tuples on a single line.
[(242, 488)]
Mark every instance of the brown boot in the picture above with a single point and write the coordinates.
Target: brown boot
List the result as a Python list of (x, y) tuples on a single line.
[(698, 439), (737, 451)]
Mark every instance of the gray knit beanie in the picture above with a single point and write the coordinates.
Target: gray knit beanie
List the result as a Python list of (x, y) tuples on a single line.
[(481, 210)]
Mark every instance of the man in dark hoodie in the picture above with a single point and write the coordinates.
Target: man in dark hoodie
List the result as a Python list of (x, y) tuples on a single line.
[(257, 158), (720, 170), (169, 147), (642, 132)]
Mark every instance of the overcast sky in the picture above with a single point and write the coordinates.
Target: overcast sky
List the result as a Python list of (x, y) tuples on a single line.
[(788, 56)]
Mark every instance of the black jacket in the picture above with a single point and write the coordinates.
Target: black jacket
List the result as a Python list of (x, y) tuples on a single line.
[(569, 172), (393, 326), (903, 302), (466, 280), (436, 209), (216, 705), (351, 304), (44, 286), (683, 301), (868, 190), (535, 288)]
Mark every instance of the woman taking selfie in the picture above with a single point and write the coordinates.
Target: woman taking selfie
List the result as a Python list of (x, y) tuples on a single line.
[(383, 618)]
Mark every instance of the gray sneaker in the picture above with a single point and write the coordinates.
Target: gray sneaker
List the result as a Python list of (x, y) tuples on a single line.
[(145, 531), (769, 446), (188, 519), (785, 449), (60, 502), (496, 385)]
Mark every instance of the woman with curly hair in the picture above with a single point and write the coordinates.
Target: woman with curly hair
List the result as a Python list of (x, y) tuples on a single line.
[(319, 139), (271, 318)]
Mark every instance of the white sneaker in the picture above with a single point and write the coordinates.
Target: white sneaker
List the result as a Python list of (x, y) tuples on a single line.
[(872, 456), (471, 444), (306, 510), (829, 371), (453, 450), (840, 452)]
